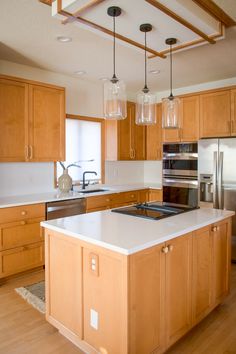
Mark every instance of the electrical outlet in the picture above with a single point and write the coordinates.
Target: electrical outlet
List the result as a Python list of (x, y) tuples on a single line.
[(94, 319)]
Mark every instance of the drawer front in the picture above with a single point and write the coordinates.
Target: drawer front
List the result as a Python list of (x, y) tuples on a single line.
[(22, 258), (99, 201), (128, 197), (22, 213), (20, 233)]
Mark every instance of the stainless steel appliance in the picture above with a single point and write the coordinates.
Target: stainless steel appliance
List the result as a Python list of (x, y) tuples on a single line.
[(63, 208), (206, 188), (152, 210), (180, 174), (217, 157)]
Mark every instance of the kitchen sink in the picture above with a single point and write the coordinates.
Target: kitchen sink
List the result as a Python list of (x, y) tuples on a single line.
[(93, 190)]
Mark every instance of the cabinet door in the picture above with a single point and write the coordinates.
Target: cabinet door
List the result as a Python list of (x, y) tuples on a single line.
[(105, 300), (20, 259), (154, 138), (146, 301), (170, 135), (155, 195), (190, 119), (47, 124), (13, 120), (178, 288), (202, 273), (221, 233), (138, 138), (233, 112), (215, 114), (64, 281), (125, 135)]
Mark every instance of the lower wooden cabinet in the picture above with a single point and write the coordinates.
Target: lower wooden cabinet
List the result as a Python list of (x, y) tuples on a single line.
[(155, 195), (21, 239), (141, 303)]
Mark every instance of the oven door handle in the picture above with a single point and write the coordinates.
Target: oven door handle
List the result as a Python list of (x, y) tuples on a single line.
[(180, 183)]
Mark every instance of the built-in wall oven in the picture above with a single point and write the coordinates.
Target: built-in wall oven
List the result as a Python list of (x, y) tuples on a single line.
[(180, 174)]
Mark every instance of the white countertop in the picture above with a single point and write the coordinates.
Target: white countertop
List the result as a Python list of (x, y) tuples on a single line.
[(128, 234), (18, 200)]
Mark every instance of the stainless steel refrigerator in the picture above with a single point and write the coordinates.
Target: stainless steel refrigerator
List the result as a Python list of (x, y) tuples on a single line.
[(217, 176)]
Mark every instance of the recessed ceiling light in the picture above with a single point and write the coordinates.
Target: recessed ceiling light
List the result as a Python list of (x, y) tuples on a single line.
[(104, 78), (154, 72), (64, 39), (80, 72)]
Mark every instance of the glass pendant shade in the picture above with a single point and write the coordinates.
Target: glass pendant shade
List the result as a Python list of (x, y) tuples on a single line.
[(115, 106), (171, 113), (145, 108)]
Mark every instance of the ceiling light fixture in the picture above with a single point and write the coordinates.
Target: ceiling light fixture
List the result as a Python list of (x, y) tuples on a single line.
[(146, 101), (115, 106), (154, 72), (171, 104), (64, 39), (80, 72)]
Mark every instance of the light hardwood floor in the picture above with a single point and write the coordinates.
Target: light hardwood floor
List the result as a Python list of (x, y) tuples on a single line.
[(23, 330)]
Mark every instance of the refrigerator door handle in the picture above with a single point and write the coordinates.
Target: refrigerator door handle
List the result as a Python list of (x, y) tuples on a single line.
[(220, 182), (215, 179)]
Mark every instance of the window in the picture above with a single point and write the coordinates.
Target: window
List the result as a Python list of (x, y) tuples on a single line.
[(84, 146)]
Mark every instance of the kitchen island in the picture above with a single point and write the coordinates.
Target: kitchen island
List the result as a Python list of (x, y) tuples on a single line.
[(121, 284)]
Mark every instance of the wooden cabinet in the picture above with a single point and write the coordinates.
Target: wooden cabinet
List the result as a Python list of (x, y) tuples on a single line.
[(202, 273), (189, 130), (13, 120), (155, 195), (124, 139), (21, 239), (233, 112), (215, 114), (32, 121), (178, 288), (154, 137)]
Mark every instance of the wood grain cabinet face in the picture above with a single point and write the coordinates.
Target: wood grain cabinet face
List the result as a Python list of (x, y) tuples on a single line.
[(47, 124), (13, 120), (202, 273), (215, 114), (178, 288), (233, 112), (32, 121), (154, 137)]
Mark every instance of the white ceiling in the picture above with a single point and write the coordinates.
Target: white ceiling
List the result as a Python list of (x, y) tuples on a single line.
[(28, 36)]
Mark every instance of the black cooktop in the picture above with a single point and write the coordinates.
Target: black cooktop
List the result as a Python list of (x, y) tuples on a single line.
[(153, 210)]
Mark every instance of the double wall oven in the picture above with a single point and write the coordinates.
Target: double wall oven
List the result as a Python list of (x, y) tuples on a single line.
[(180, 174)]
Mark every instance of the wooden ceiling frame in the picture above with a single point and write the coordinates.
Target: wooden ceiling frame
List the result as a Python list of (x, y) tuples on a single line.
[(105, 30), (215, 11), (89, 6), (179, 19)]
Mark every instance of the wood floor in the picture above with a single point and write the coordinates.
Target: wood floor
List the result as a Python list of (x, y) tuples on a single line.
[(23, 330)]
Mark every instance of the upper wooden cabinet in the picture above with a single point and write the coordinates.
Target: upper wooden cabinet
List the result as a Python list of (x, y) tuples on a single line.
[(215, 114), (154, 137), (189, 130), (124, 139), (32, 121)]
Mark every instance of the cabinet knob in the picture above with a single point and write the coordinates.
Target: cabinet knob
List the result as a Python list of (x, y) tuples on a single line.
[(23, 222), (132, 195), (165, 249), (215, 228), (23, 212), (170, 248), (107, 200)]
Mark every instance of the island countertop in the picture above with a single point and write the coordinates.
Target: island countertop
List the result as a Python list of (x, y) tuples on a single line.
[(129, 234)]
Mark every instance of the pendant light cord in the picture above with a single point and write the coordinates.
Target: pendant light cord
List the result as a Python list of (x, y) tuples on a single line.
[(114, 50), (145, 89), (171, 94)]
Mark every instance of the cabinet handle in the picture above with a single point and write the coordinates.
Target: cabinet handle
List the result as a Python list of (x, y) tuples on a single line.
[(134, 154), (23, 212), (232, 126), (132, 196), (165, 249), (130, 154), (215, 228), (26, 152), (23, 222), (170, 248), (107, 200), (31, 152)]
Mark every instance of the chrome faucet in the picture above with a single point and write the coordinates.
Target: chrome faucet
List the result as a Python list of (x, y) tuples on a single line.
[(84, 173)]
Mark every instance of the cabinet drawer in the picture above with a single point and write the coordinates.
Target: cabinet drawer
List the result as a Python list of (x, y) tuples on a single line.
[(99, 201), (22, 212), (20, 233), (21, 258), (127, 197)]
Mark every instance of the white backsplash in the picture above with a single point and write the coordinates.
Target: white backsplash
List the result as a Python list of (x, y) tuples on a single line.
[(128, 172)]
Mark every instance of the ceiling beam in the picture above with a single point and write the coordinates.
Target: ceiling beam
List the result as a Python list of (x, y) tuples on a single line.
[(109, 32), (88, 6), (179, 19), (46, 2), (214, 10)]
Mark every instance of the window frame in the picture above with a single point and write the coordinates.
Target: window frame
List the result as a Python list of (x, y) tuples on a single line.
[(89, 119)]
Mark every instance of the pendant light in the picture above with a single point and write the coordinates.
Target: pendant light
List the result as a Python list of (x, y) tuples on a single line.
[(146, 101), (115, 106), (171, 104)]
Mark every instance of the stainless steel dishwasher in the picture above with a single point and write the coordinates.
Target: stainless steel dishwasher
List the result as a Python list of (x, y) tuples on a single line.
[(63, 208)]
